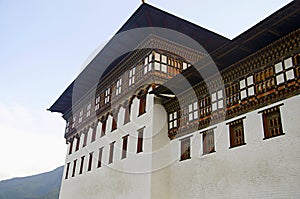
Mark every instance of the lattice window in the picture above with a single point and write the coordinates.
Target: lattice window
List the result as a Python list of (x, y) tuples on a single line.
[(272, 122), (148, 64), (232, 94), (217, 101), (236, 133), (247, 87), (80, 116), (185, 152), (208, 141), (88, 110), (97, 103), (173, 120), (107, 96), (131, 76), (193, 111), (160, 62), (205, 108), (284, 71), (124, 146), (119, 87)]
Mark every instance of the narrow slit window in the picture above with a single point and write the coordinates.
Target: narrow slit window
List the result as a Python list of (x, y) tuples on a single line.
[(81, 165), (142, 107), (140, 140), (111, 152), (100, 157), (90, 161), (67, 170), (124, 147), (74, 168)]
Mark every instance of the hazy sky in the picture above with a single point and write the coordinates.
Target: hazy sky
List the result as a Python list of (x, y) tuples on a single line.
[(43, 45)]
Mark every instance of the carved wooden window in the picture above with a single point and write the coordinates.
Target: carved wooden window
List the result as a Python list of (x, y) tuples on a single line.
[(205, 108), (80, 116), (264, 80), (272, 122), (185, 65), (119, 87), (100, 157), (90, 161), (193, 111), (127, 114), (124, 146), (247, 87), (88, 110), (97, 103), (114, 121), (160, 62), (77, 143), (67, 170), (236, 133), (173, 120), (185, 149), (74, 168), (107, 96), (103, 128), (148, 64), (111, 152), (140, 141), (142, 107), (131, 76), (232, 94), (208, 141), (71, 147), (217, 101), (284, 71), (81, 165), (85, 139)]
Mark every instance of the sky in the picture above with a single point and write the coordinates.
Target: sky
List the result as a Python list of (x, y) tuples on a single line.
[(43, 47)]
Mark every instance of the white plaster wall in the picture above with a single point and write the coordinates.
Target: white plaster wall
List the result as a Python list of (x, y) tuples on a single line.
[(260, 169), (124, 178)]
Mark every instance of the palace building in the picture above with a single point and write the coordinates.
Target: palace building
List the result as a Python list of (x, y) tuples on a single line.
[(168, 109)]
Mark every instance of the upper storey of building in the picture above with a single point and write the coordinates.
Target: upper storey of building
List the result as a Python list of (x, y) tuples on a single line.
[(109, 62)]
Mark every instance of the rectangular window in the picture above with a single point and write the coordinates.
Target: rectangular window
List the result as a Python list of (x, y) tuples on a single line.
[(217, 100), (90, 161), (103, 129), (80, 116), (193, 111), (74, 120), (77, 143), (67, 170), (71, 147), (124, 147), (160, 63), (142, 108), (114, 121), (81, 165), (100, 157), (97, 103), (111, 152), (272, 122), (236, 133), (74, 168), (94, 132), (173, 120), (284, 71), (185, 152), (127, 114), (85, 139), (140, 141), (119, 87), (247, 87), (148, 64), (107, 96), (208, 141), (88, 110), (131, 76)]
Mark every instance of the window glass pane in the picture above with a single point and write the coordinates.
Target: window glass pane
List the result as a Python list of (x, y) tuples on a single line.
[(279, 79), (213, 97), (250, 80), (288, 63), (214, 106), (157, 66), (195, 105), (175, 115), (164, 68), (171, 116), (220, 94), (157, 57), (184, 65), (242, 84), (195, 114), (146, 61), (220, 104), (251, 91), (190, 116), (290, 74), (243, 94), (278, 67), (163, 59), (175, 123), (170, 125), (190, 108)]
